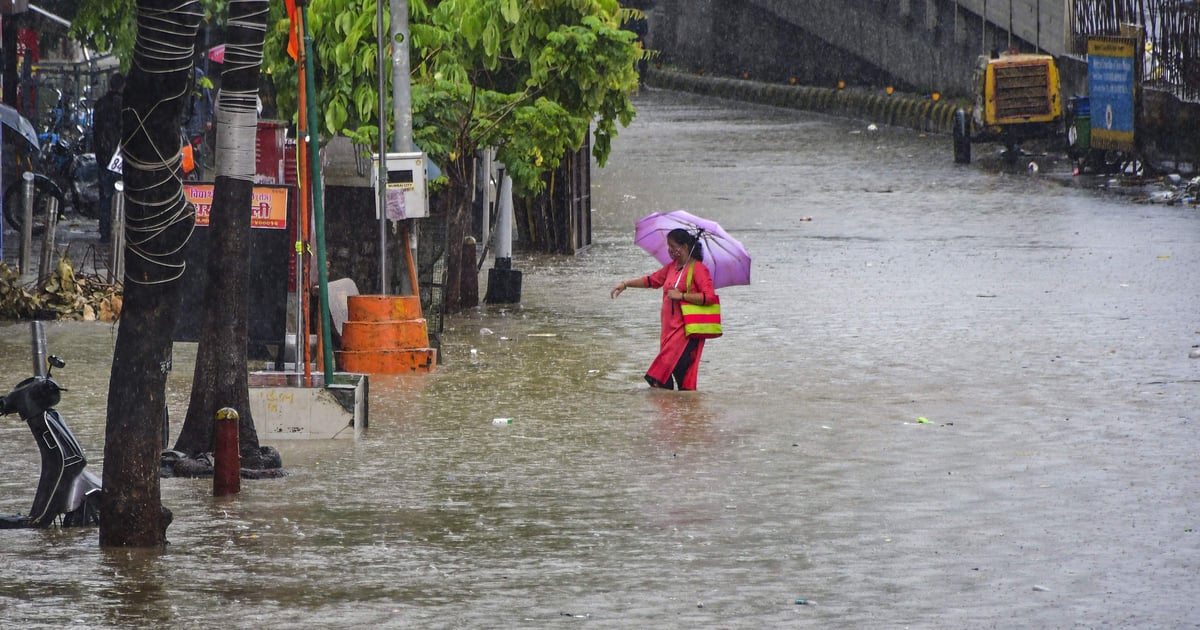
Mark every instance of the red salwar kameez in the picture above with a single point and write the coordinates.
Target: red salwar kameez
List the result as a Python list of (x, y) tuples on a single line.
[(678, 360)]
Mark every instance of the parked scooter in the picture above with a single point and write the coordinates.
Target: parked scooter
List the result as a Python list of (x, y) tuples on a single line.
[(66, 493), (64, 173)]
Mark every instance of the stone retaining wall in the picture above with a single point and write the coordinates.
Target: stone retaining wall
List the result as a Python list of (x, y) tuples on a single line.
[(920, 113)]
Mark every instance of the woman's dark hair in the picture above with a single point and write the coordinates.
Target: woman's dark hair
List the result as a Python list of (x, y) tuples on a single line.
[(681, 236)]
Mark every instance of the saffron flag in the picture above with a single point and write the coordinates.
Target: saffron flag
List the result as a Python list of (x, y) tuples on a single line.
[(293, 37)]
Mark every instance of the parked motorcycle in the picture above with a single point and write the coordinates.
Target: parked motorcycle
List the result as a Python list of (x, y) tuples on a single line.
[(82, 114), (61, 173), (67, 494), (65, 170)]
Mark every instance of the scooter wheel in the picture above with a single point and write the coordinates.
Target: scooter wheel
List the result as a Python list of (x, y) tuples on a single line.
[(44, 190)]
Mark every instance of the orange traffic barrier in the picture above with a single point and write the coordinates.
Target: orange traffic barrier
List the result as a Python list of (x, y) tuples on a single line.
[(400, 333), (385, 334), (380, 308), (388, 361)]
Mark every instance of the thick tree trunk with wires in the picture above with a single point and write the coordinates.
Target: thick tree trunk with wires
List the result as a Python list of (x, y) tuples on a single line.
[(220, 378), (159, 221)]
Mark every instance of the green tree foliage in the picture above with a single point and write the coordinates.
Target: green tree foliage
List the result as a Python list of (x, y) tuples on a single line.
[(107, 26), (525, 76)]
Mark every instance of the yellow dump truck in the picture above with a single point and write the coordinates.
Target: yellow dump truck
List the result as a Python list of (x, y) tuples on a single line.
[(1017, 98)]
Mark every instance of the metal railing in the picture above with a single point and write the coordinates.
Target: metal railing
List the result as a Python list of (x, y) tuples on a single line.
[(1171, 29)]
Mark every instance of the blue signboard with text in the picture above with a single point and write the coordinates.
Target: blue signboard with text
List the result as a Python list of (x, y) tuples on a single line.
[(1112, 83)]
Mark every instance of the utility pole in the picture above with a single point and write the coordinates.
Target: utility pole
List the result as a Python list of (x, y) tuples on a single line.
[(402, 141), (380, 187), (402, 136)]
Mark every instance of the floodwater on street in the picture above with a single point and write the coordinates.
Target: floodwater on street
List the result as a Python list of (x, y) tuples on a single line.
[(952, 397)]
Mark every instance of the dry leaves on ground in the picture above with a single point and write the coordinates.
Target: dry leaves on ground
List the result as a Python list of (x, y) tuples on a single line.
[(61, 295)]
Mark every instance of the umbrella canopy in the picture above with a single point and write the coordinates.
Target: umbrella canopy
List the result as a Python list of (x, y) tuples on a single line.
[(12, 119), (726, 258)]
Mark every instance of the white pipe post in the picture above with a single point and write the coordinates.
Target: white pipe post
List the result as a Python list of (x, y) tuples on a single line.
[(49, 250), (504, 221), (27, 190), (116, 266), (504, 282)]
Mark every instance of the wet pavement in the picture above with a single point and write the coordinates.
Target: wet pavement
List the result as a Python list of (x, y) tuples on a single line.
[(952, 397), (76, 237)]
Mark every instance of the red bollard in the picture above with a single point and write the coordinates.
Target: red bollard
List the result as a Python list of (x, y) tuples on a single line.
[(227, 458)]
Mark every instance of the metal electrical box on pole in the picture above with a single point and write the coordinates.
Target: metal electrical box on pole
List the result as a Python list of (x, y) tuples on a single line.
[(405, 190)]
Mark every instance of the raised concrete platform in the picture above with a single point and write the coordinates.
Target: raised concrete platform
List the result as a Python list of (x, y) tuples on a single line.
[(284, 408)]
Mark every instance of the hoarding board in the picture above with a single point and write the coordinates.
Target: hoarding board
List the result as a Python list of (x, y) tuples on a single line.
[(1112, 90), (271, 247)]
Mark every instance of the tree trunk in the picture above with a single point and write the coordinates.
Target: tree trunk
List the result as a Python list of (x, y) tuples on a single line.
[(159, 221), (220, 378), (458, 226)]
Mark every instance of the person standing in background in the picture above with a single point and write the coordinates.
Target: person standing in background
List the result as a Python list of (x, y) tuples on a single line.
[(198, 119), (106, 138)]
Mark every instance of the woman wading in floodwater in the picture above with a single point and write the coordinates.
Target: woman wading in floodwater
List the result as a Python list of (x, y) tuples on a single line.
[(678, 360)]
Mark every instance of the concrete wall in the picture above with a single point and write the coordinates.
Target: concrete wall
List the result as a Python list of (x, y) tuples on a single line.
[(919, 46), (914, 112), (1042, 23), (352, 240)]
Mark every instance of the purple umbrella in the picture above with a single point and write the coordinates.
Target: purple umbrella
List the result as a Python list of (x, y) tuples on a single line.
[(726, 259)]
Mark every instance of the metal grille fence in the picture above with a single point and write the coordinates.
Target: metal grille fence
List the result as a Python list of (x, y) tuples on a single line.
[(1172, 34)]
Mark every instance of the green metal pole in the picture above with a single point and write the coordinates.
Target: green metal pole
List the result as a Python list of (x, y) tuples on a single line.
[(318, 192)]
